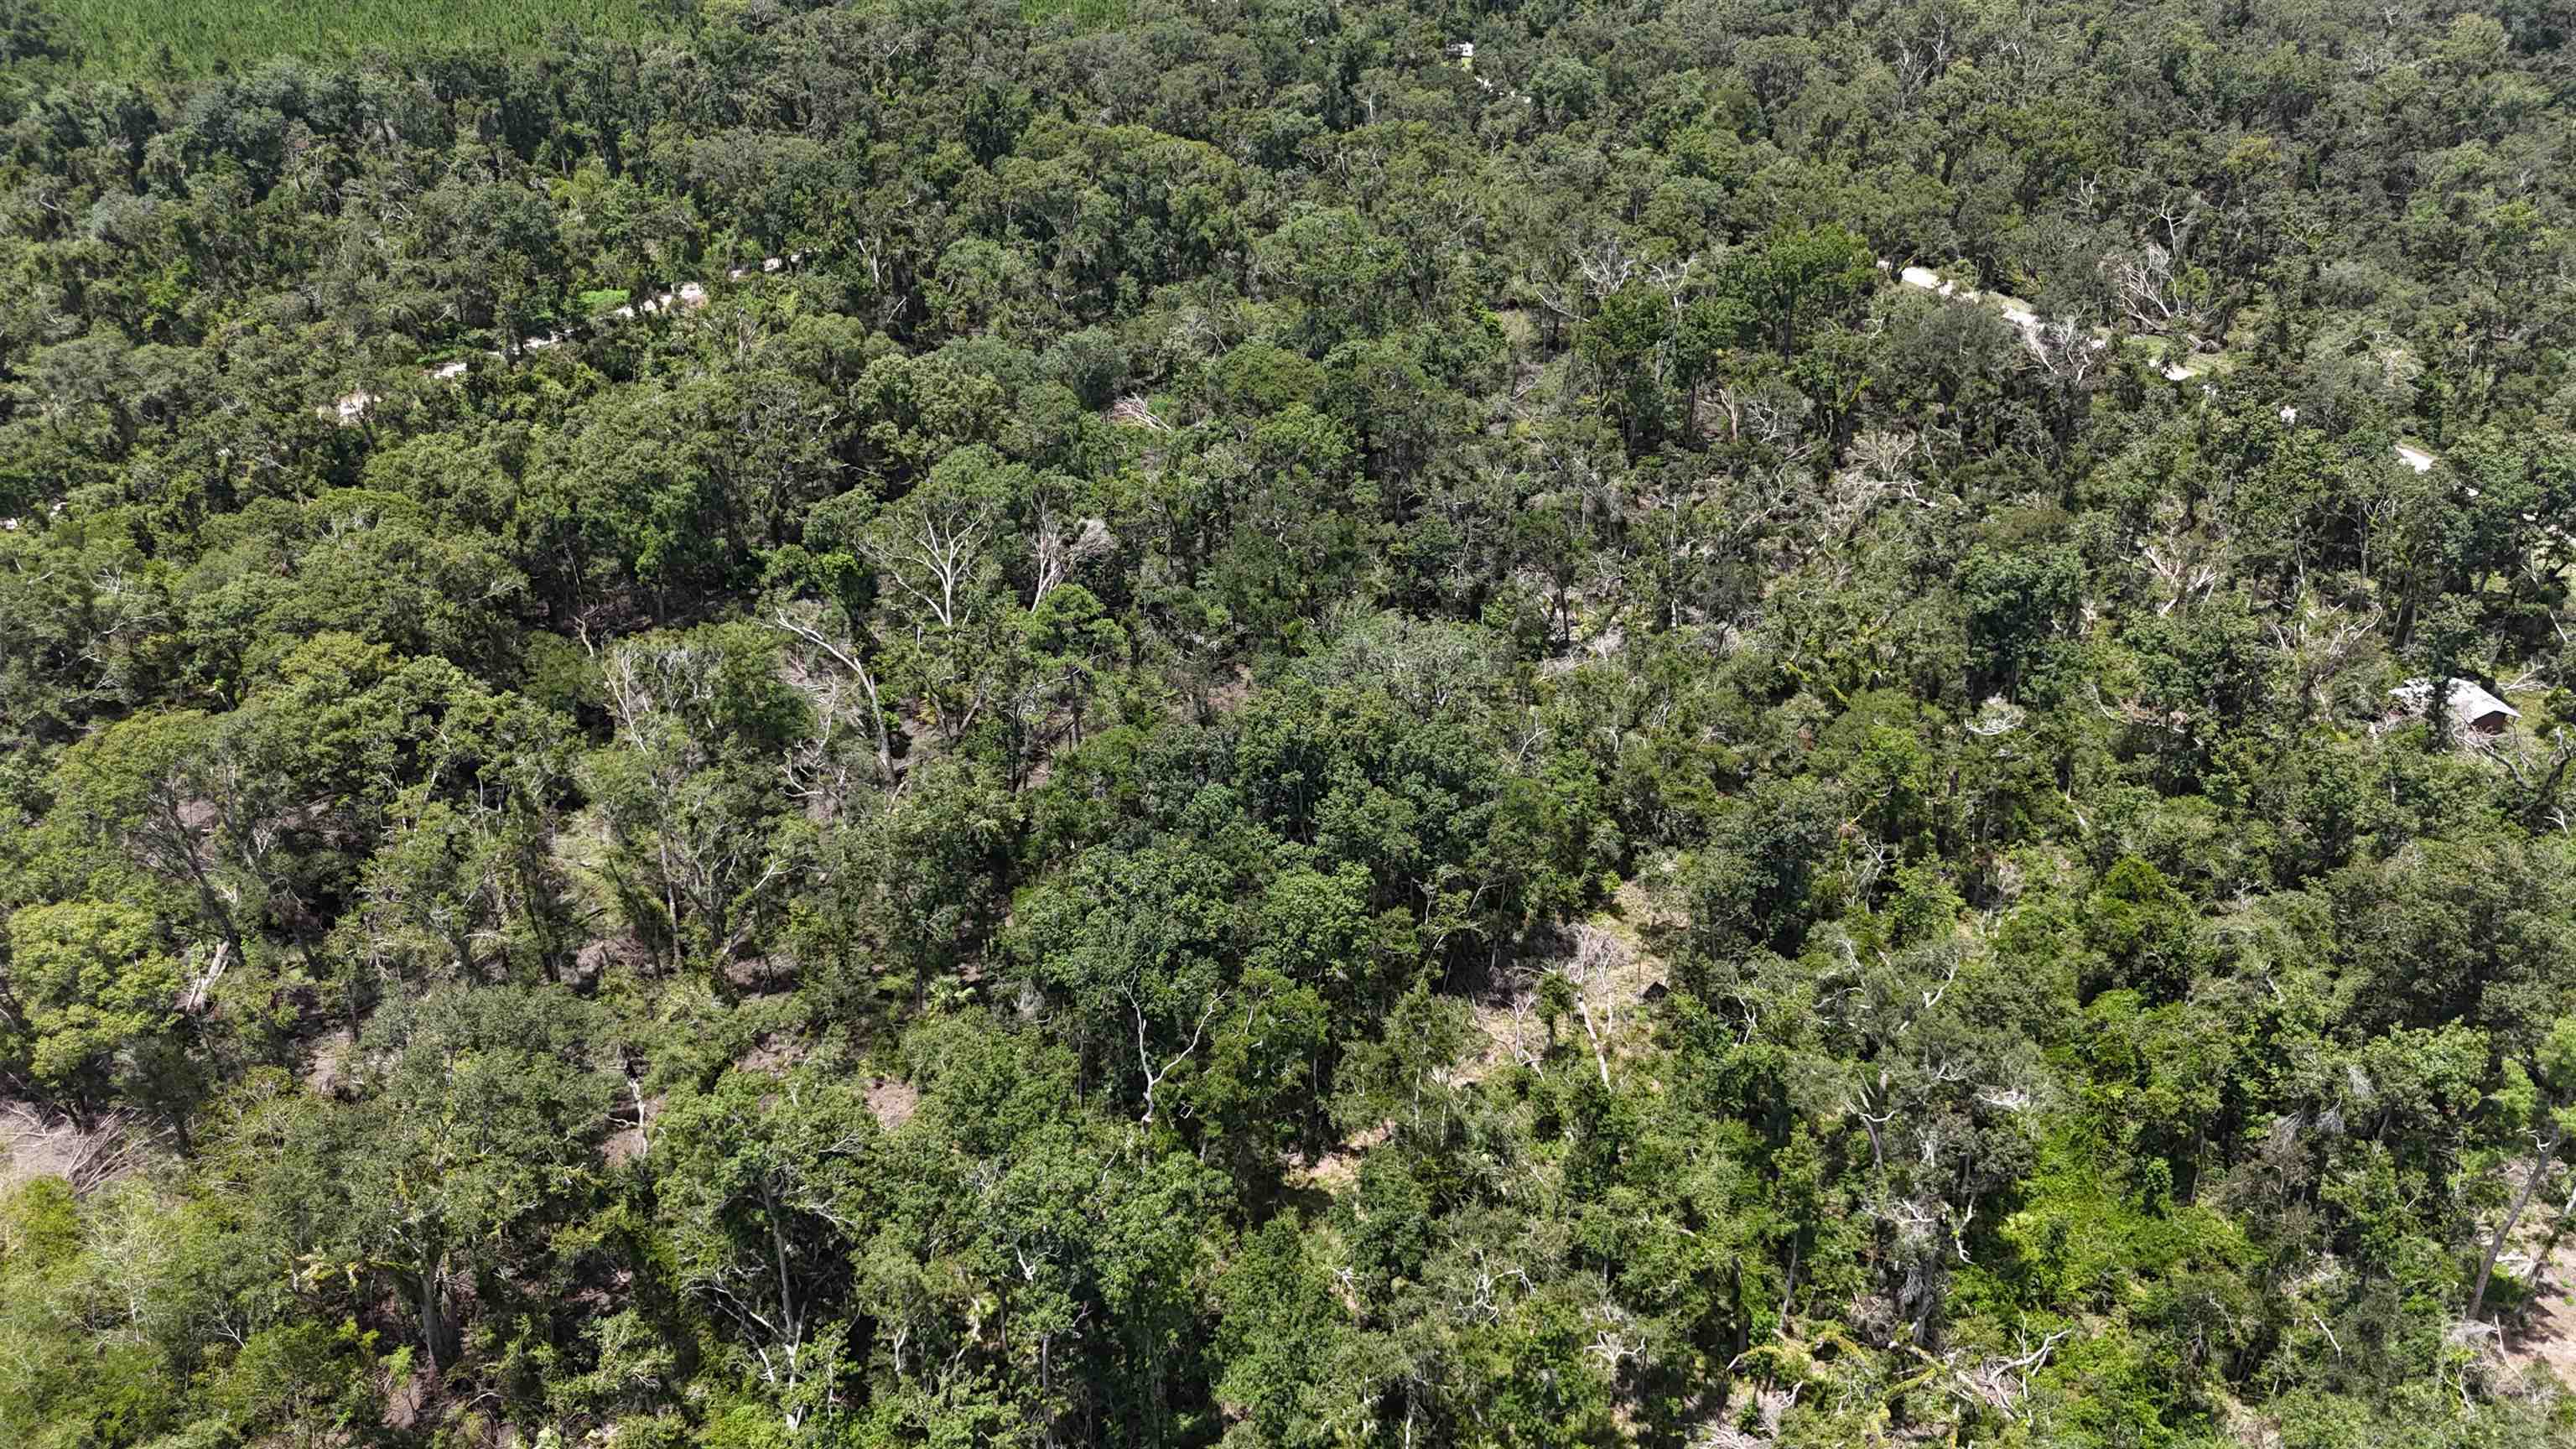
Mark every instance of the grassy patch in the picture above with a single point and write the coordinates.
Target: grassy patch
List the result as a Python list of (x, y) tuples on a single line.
[(1081, 14), (199, 35)]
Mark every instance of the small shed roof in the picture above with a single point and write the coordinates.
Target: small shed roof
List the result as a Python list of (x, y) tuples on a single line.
[(2469, 701)]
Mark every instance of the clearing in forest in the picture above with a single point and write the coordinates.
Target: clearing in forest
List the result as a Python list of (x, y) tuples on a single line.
[(201, 35)]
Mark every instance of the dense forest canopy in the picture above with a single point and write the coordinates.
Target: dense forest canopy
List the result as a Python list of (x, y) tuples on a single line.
[(1284, 723)]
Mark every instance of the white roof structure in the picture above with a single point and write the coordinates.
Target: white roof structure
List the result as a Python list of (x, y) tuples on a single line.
[(2469, 702), (349, 408)]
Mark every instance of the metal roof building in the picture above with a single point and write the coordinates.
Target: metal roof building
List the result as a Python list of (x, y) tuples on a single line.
[(2472, 707)]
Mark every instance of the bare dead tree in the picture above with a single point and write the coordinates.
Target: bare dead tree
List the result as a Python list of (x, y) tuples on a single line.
[(1524, 1007), (1775, 421), (199, 993), (929, 552), (1062, 544), (2539, 774), (1996, 718), (2318, 644), (89, 1157), (1921, 60), (2149, 282), (1881, 471), (1605, 265), (1154, 1076), (2066, 350), (657, 692), (1885, 453), (2000, 1382), (1600, 961), (1134, 411), (825, 665), (2183, 576), (2544, 1156)]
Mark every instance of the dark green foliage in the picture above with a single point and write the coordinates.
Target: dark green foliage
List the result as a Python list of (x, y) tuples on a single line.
[(784, 725)]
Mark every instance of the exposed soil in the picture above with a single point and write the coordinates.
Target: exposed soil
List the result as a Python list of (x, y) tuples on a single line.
[(2543, 1334)]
